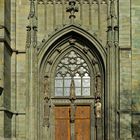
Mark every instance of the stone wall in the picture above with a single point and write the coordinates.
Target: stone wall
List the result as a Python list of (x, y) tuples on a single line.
[(20, 11), (125, 69), (135, 68), (52, 16), (91, 16), (5, 72)]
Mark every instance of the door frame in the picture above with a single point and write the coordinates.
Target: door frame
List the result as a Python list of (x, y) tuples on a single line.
[(36, 98), (78, 102)]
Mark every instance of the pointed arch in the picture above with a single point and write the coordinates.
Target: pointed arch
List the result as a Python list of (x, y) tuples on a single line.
[(54, 49), (72, 64), (63, 35)]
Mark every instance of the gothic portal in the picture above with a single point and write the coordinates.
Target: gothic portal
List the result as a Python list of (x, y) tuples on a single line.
[(69, 70), (73, 88)]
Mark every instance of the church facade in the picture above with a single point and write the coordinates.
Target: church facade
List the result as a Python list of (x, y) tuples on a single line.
[(69, 70)]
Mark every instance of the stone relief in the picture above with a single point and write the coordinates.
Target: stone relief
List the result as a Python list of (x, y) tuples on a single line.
[(98, 105), (77, 1), (47, 104), (98, 85), (98, 108)]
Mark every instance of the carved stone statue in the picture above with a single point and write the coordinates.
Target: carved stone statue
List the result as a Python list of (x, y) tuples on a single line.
[(98, 108)]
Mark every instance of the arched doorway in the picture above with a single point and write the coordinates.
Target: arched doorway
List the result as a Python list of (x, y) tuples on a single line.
[(73, 90)]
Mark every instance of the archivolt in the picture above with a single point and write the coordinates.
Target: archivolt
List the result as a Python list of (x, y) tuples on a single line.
[(62, 37)]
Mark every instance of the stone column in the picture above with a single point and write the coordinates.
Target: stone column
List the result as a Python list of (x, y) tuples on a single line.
[(112, 72), (5, 69), (31, 60)]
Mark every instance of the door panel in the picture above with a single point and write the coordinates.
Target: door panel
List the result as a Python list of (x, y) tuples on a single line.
[(62, 123), (82, 123)]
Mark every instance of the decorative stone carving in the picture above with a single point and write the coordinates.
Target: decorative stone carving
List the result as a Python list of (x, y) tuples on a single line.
[(104, 2), (28, 28), (32, 28), (72, 41), (50, 1), (72, 9), (95, 2), (98, 97), (59, 50), (85, 49), (98, 85), (50, 62), (34, 36), (116, 37), (46, 111), (72, 113), (112, 8), (47, 104), (86, 1), (98, 108), (32, 9), (58, 1), (109, 34), (94, 61), (28, 39), (46, 87), (40, 1), (112, 26)]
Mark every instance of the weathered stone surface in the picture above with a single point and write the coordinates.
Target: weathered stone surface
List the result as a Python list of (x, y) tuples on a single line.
[(19, 110), (135, 68)]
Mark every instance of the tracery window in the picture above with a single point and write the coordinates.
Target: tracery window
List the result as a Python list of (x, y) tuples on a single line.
[(72, 66)]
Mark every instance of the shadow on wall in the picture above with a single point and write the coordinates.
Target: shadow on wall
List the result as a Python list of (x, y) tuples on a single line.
[(1, 91), (136, 129), (8, 124), (125, 100), (131, 102), (136, 113)]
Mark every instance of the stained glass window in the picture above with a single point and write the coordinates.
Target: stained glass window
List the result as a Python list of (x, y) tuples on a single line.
[(72, 66)]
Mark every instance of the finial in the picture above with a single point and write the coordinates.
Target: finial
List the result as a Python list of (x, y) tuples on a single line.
[(112, 8), (32, 27), (72, 9), (32, 9)]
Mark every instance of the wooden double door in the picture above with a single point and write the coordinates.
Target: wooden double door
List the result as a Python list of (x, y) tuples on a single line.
[(78, 129)]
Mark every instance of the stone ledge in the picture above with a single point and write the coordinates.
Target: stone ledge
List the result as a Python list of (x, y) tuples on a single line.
[(129, 111), (135, 112), (126, 139), (125, 111), (11, 112), (1, 138)]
